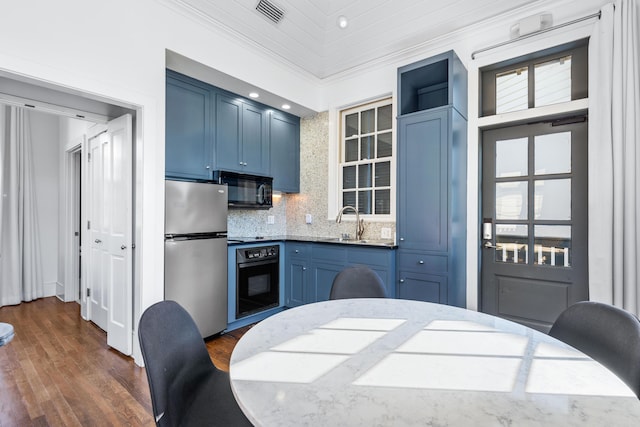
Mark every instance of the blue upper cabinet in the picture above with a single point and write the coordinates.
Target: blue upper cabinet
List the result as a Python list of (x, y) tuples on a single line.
[(241, 136), (228, 133), (284, 139), (189, 117), (210, 129), (255, 143), (434, 82)]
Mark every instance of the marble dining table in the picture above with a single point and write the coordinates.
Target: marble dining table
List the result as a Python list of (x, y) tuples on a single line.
[(392, 362)]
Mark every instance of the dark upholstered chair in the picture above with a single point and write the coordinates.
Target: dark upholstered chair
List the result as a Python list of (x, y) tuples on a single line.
[(357, 282), (186, 387), (607, 334)]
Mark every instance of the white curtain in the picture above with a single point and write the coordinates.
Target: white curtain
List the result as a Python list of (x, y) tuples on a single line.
[(20, 263), (614, 156)]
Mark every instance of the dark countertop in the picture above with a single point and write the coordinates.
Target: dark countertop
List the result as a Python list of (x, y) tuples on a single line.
[(380, 243)]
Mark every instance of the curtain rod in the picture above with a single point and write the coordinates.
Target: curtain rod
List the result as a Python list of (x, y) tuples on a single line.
[(526, 36)]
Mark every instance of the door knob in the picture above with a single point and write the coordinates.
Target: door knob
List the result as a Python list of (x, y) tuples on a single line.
[(123, 247), (421, 262), (401, 280), (98, 241)]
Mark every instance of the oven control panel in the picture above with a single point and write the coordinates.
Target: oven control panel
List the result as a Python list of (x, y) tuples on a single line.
[(257, 254)]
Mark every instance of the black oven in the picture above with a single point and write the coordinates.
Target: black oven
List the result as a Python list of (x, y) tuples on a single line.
[(257, 283)]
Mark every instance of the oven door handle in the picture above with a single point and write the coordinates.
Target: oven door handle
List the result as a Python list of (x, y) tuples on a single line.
[(257, 263)]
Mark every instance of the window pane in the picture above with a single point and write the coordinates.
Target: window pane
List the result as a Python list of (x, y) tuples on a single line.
[(383, 174), (351, 150), (349, 199), (384, 145), (511, 157), (511, 200), (512, 90), (512, 243), (552, 245), (364, 175), (552, 81), (351, 125), (367, 120), (553, 153), (384, 117), (364, 201), (349, 177), (383, 202), (553, 199), (366, 148)]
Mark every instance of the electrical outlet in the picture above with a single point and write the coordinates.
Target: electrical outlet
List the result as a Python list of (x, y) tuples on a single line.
[(271, 219), (385, 233), (308, 218)]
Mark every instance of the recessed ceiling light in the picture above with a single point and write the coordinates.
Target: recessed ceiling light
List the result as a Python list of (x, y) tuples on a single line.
[(342, 21), (286, 106), (254, 95)]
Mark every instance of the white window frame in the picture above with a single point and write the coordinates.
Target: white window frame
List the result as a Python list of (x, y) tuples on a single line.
[(340, 147)]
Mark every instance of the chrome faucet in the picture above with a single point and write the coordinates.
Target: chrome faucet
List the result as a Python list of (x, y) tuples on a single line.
[(359, 222)]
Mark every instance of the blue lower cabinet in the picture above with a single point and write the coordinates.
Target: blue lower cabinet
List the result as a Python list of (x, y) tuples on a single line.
[(323, 275), (422, 287), (310, 268)]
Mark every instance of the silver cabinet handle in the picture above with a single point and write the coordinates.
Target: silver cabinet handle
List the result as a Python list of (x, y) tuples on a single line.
[(98, 241), (402, 239), (297, 251), (401, 280), (421, 262), (304, 268), (123, 247)]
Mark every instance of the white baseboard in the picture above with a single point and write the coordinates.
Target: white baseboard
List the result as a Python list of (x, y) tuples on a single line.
[(51, 288)]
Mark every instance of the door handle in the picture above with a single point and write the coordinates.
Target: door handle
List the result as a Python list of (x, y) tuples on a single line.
[(488, 245), (98, 241), (123, 247)]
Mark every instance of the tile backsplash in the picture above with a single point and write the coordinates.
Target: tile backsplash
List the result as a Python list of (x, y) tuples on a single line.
[(290, 210)]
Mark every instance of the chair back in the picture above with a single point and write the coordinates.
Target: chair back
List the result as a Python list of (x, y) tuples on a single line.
[(357, 282), (608, 334), (175, 358)]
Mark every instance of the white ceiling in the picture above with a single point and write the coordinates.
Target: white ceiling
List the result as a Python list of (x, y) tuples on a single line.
[(308, 35)]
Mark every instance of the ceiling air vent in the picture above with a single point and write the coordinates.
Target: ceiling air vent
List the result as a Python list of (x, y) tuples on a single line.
[(272, 12)]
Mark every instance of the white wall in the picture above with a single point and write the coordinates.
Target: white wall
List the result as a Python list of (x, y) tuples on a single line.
[(116, 50), (44, 138)]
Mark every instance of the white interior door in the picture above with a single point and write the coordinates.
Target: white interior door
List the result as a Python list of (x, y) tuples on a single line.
[(109, 270)]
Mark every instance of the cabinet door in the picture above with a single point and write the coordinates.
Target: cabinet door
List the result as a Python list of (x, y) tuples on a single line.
[(297, 285), (188, 130), (423, 181), (228, 133), (255, 145), (323, 276), (284, 139), (423, 287)]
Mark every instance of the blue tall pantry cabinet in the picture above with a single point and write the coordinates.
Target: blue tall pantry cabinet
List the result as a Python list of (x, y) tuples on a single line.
[(432, 180)]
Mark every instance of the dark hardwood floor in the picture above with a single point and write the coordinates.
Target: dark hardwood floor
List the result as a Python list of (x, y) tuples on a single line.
[(59, 371)]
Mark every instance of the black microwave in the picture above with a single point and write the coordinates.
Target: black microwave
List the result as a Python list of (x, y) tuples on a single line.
[(246, 191)]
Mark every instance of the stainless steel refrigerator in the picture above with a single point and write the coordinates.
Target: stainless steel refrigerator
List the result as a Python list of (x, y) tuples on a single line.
[(195, 251)]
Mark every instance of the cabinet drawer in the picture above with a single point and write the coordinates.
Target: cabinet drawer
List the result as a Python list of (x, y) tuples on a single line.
[(299, 250), (422, 263), (369, 256), (335, 254)]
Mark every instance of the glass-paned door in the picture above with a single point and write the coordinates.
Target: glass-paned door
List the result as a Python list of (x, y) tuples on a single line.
[(534, 210)]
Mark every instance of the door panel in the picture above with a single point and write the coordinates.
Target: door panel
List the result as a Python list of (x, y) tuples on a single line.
[(110, 220), (534, 204), (119, 229), (98, 238)]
